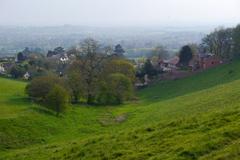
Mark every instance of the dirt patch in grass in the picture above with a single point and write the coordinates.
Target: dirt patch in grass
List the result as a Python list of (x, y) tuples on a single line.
[(109, 119)]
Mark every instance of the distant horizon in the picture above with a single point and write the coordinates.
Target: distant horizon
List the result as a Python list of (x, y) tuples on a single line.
[(123, 13), (227, 24)]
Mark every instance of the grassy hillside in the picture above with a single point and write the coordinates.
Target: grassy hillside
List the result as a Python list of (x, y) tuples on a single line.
[(193, 118)]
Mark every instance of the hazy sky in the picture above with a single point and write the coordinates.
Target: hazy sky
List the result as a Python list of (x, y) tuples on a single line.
[(119, 12)]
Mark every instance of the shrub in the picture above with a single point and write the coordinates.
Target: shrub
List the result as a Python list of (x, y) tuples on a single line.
[(39, 87), (57, 99), (116, 89)]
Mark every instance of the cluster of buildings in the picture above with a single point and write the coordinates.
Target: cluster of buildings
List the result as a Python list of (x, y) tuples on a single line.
[(26, 56), (59, 56), (198, 62), (173, 70), (5, 63)]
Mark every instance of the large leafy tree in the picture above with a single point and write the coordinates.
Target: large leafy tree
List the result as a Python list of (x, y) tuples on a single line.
[(119, 65), (119, 51), (115, 89), (88, 66), (219, 42), (75, 83), (21, 57), (57, 99), (90, 70)]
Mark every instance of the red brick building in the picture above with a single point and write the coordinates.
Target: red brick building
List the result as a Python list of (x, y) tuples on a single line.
[(209, 61)]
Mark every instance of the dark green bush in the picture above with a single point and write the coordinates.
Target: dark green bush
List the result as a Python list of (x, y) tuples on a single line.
[(57, 99), (39, 87), (115, 90)]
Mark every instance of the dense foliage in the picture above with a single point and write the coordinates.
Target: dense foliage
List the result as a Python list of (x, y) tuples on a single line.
[(185, 55), (94, 74), (148, 69), (223, 43), (39, 87), (17, 71), (236, 41), (57, 99), (116, 89), (92, 68)]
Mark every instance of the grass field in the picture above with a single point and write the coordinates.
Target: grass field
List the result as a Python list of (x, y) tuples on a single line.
[(193, 118)]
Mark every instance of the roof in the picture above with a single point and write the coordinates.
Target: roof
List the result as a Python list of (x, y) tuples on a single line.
[(205, 55), (173, 61)]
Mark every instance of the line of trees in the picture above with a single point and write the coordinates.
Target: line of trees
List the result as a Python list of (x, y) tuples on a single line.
[(224, 43), (95, 77)]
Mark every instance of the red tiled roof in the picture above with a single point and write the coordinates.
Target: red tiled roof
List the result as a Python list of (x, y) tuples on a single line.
[(173, 61)]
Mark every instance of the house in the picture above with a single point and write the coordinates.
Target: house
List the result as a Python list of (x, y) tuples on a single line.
[(64, 58), (208, 61), (169, 65), (6, 63), (26, 76), (2, 69), (204, 61), (172, 63), (61, 58)]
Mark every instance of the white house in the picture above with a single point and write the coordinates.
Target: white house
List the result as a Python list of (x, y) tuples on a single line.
[(2, 69), (26, 76), (64, 58)]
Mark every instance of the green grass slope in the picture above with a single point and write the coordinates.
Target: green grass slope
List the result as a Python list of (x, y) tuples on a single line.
[(10, 94), (193, 118)]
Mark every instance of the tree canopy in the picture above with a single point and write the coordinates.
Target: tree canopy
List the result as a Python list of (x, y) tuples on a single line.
[(119, 51), (91, 68), (57, 99), (219, 43), (185, 55), (236, 41)]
